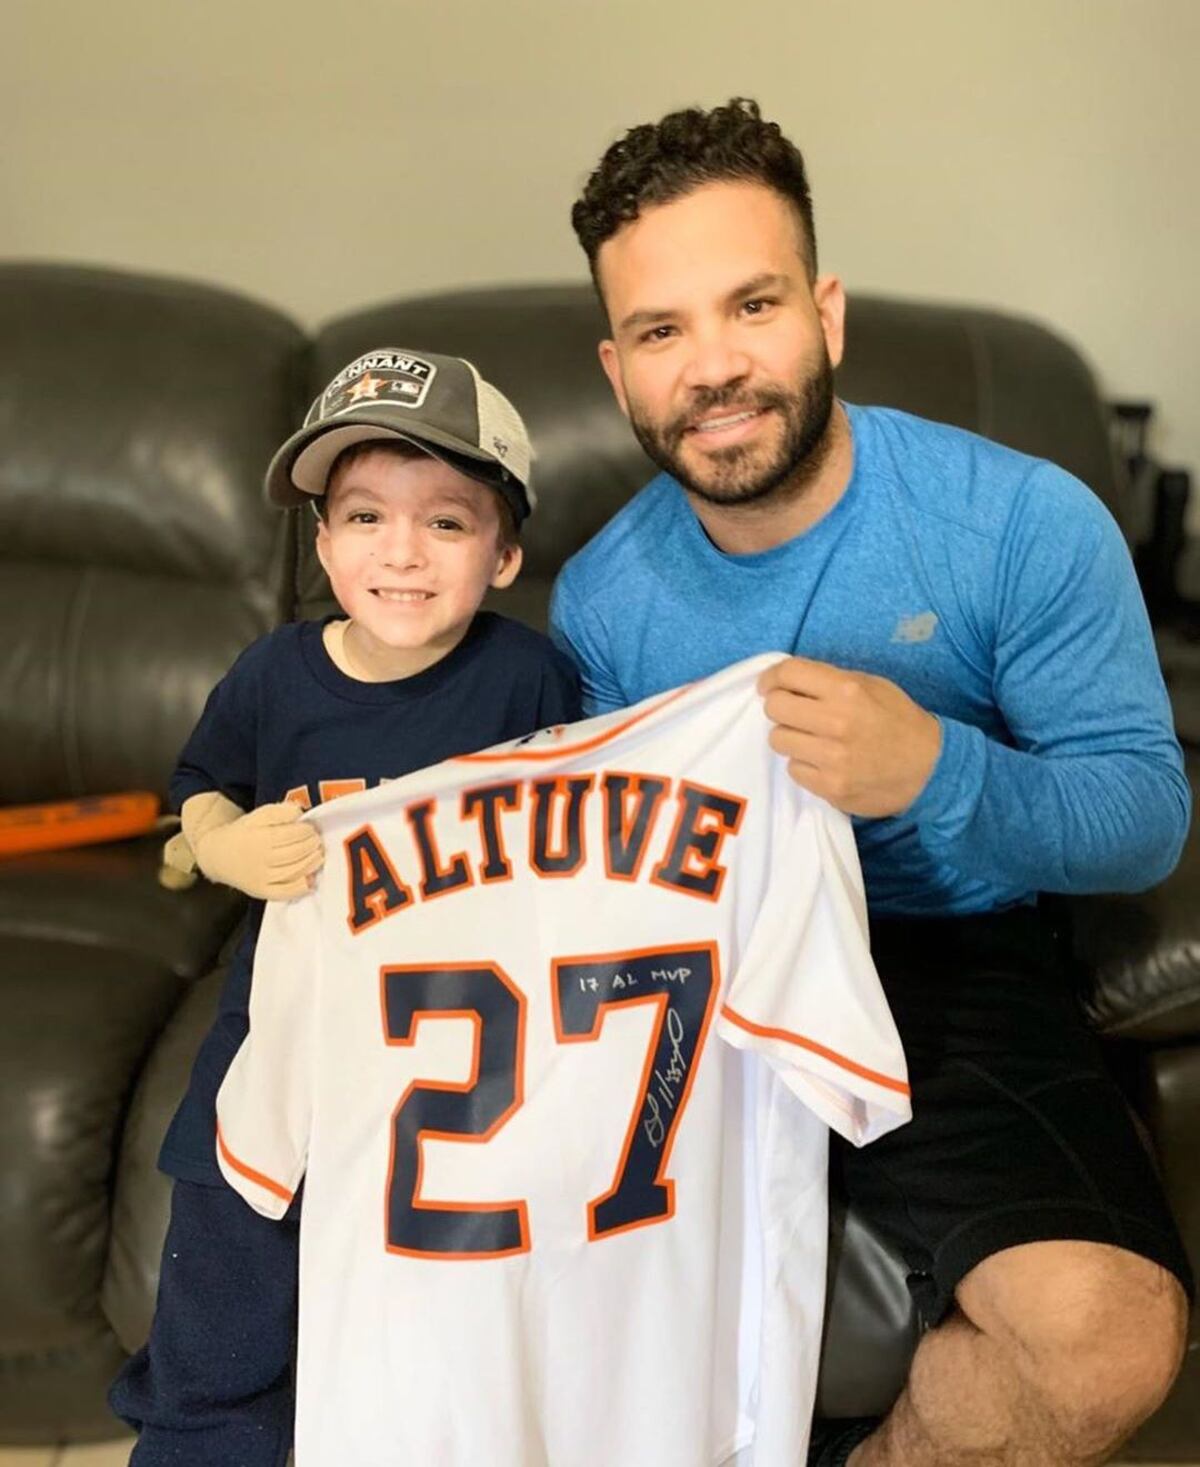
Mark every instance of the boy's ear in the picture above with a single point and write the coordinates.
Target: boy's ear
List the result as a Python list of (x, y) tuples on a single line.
[(322, 544), (508, 563)]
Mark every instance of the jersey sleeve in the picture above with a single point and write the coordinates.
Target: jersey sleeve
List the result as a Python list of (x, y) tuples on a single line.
[(264, 1105), (805, 993), (221, 754)]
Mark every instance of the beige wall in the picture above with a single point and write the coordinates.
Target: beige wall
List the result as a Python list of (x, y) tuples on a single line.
[(1032, 154)]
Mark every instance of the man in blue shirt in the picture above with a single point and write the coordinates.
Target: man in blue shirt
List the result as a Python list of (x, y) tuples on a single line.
[(973, 679)]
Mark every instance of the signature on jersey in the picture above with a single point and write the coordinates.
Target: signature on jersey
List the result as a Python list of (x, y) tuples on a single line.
[(668, 1082)]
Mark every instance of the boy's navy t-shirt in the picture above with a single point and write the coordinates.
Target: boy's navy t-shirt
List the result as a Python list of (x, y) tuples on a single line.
[(285, 721)]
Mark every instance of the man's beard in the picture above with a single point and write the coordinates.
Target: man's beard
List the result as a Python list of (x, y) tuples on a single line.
[(736, 475)]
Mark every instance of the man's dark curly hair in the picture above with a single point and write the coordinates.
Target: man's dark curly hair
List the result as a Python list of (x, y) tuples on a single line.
[(656, 163)]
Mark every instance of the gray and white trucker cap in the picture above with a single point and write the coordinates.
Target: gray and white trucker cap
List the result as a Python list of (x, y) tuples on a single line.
[(439, 404)]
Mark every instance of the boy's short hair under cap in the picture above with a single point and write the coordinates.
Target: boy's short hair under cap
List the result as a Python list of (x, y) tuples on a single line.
[(439, 404)]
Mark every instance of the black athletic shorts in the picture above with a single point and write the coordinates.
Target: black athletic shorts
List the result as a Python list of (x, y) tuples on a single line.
[(1019, 1133)]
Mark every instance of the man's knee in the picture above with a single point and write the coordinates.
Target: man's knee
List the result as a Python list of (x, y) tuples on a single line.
[(1103, 1375), (1096, 1333)]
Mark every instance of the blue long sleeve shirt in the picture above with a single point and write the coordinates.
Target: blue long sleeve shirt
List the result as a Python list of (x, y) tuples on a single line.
[(994, 588)]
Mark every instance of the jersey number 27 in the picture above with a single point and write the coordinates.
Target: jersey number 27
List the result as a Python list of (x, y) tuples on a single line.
[(680, 983)]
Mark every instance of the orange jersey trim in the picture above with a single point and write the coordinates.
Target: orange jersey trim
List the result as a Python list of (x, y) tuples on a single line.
[(248, 1171), (764, 1031), (562, 751)]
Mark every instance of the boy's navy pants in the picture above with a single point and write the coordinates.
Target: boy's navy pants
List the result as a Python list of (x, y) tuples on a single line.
[(214, 1384)]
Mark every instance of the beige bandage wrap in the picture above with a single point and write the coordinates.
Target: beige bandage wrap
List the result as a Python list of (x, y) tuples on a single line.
[(267, 853), (177, 871)]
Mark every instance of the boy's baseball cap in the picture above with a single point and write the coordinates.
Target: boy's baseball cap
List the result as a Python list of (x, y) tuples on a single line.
[(440, 404)]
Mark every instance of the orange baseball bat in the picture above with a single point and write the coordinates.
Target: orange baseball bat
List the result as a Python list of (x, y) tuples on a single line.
[(60, 823)]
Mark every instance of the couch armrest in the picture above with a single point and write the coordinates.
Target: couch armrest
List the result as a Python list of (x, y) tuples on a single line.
[(1141, 955), (141, 1193)]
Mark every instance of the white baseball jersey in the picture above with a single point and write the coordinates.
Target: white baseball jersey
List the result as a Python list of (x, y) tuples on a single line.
[(554, 1045)]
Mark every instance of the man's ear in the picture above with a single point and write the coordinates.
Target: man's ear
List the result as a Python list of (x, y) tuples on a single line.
[(508, 563), (829, 297), (612, 370)]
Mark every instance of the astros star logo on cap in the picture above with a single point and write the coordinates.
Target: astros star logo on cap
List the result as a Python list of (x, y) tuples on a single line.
[(366, 386)]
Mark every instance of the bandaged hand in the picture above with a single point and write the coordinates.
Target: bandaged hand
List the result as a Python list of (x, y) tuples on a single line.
[(177, 867), (267, 853)]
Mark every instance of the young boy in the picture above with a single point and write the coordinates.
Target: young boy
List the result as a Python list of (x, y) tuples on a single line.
[(419, 474)]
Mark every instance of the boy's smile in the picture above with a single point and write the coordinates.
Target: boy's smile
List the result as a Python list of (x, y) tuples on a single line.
[(410, 546)]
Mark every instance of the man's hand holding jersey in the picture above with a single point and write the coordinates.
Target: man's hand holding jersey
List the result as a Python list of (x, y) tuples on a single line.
[(267, 853), (854, 739)]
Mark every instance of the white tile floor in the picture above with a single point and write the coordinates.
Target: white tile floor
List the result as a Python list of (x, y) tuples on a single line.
[(109, 1454)]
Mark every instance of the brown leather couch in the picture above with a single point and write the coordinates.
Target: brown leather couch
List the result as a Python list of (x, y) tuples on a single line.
[(137, 557)]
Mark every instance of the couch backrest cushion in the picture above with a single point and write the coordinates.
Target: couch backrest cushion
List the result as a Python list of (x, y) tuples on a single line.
[(1003, 376), (137, 555)]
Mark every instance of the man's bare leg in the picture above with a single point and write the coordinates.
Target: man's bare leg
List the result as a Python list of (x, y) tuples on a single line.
[(1056, 1353)]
